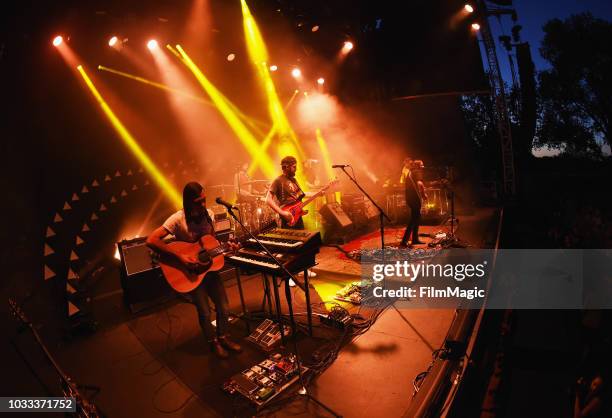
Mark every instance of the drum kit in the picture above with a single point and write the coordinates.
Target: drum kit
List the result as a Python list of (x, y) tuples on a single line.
[(253, 210)]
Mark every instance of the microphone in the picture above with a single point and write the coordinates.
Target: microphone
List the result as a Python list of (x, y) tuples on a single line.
[(340, 165), (227, 205)]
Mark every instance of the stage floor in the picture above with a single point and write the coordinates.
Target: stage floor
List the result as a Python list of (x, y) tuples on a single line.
[(157, 364)]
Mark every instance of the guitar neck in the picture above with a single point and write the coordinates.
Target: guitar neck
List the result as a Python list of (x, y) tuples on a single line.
[(314, 196)]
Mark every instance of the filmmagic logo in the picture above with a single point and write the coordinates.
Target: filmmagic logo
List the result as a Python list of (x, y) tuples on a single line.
[(411, 271), (429, 292)]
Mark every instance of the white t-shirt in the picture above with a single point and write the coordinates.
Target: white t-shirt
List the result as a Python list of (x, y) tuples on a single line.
[(177, 225)]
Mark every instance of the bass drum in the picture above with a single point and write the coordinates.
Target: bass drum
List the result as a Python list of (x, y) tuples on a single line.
[(258, 214)]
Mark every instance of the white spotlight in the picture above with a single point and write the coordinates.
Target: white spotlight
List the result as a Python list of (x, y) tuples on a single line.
[(273, 68), (231, 57), (468, 8), (321, 81), (348, 45), (152, 44), (113, 41), (296, 73), (475, 26), (57, 41)]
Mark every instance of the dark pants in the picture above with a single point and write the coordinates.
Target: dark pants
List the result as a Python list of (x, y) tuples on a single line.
[(211, 287), (415, 220)]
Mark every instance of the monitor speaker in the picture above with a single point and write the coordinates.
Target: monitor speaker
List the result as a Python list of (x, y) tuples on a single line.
[(334, 215)]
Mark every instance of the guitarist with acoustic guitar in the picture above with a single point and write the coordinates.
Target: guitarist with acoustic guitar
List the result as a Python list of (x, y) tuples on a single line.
[(193, 225)]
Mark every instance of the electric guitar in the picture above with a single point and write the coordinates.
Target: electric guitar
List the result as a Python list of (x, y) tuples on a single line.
[(208, 252), (297, 208)]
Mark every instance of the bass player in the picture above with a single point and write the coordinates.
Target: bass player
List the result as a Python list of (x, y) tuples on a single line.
[(285, 190)]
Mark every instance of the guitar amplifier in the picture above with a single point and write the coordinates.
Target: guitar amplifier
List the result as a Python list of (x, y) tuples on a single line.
[(141, 277), (221, 219)]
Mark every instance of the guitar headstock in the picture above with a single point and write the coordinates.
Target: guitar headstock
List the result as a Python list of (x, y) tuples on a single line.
[(331, 183), (18, 312)]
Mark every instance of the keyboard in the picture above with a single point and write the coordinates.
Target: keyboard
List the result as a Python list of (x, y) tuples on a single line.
[(249, 259), (287, 240)]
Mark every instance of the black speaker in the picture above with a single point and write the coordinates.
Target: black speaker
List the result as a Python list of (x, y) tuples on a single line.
[(142, 280), (334, 215)]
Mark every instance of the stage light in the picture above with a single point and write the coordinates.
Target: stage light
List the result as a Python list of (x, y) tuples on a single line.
[(315, 28), (117, 255), (113, 41), (468, 8), (321, 81), (273, 68), (475, 26), (348, 45), (57, 41), (152, 44), (231, 57), (296, 73)]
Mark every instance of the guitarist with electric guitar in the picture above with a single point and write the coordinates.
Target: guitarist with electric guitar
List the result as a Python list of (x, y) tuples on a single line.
[(191, 264), (285, 195)]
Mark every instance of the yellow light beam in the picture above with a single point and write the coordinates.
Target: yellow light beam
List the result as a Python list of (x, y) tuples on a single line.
[(263, 148), (244, 135), (252, 122), (259, 55), (327, 161), (290, 102), (132, 144)]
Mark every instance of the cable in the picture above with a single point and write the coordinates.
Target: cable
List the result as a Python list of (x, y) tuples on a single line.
[(169, 411)]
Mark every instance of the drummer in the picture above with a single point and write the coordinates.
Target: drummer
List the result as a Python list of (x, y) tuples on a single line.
[(243, 185)]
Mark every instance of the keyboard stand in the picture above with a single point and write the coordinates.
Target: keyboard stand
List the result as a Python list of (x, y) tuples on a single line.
[(246, 316), (275, 285)]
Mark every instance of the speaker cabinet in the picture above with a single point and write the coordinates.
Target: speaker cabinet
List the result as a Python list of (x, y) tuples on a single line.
[(141, 277), (334, 215)]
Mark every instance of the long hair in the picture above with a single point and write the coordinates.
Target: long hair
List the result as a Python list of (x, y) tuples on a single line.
[(191, 192)]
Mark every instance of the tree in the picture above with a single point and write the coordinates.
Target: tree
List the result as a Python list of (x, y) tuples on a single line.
[(575, 94)]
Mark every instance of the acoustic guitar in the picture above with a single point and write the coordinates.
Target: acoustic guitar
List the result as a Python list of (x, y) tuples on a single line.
[(297, 208), (210, 255)]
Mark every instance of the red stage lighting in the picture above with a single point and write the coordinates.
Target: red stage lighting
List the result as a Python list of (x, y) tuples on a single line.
[(152, 44), (231, 57), (57, 41)]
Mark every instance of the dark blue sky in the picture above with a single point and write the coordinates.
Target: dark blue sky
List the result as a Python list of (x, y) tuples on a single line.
[(532, 15)]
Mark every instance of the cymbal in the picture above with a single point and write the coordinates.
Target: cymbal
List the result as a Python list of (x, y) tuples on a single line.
[(257, 181)]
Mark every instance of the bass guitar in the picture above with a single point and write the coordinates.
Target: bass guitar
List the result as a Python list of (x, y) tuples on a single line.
[(297, 208), (209, 253)]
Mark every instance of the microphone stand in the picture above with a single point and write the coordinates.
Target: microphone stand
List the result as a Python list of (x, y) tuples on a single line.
[(381, 213), (302, 391)]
